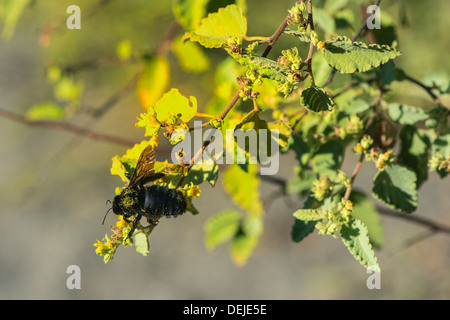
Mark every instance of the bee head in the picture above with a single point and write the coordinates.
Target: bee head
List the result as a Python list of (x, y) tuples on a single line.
[(117, 209)]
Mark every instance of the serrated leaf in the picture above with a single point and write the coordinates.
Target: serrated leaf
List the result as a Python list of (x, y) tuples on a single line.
[(153, 81), (365, 211), (298, 34), (346, 56), (315, 99), (173, 103), (221, 228), (244, 188), (46, 111), (311, 214), (267, 68), (405, 114), (190, 55), (356, 239), (142, 244), (218, 27), (396, 186)]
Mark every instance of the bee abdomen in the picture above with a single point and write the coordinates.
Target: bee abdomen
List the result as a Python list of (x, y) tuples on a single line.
[(162, 200)]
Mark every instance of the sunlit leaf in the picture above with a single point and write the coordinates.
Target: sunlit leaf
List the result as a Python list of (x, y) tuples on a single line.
[(348, 57), (190, 56), (396, 186), (244, 188), (173, 103), (153, 81), (46, 111), (356, 239), (221, 227), (218, 27)]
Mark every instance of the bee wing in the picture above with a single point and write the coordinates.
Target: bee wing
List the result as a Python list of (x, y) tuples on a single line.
[(145, 168)]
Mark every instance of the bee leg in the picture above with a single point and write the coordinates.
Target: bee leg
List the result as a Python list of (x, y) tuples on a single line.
[(126, 219), (133, 227), (152, 222)]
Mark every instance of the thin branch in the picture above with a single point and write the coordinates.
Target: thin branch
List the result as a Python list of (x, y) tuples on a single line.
[(428, 89), (415, 219), (65, 126)]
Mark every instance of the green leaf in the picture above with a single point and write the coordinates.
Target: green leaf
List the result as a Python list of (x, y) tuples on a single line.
[(246, 239), (267, 68), (315, 99), (242, 247), (244, 187), (189, 13), (298, 34), (321, 69), (252, 122), (142, 244), (441, 144), (324, 20), (348, 57), (221, 228), (311, 214), (206, 170), (153, 81), (10, 12), (46, 111), (415, 148), (124, 49), (396, 186), (66, 89), (365, 211), (405, 114), (328, 158), (173, 103), (124, 166), (217, 28), (301, 229), (190, 56), (355, 237)]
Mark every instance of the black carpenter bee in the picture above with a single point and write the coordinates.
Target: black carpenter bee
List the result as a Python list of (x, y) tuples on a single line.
[(151, 202)]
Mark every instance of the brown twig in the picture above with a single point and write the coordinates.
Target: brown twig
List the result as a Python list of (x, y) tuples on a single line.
[(65, 126), (428, 89)]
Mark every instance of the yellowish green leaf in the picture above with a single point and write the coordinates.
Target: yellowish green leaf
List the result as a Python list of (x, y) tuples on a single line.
[(218, 27), (153, 81), (173, 103), (190, 56), (244, 188), (46, 111)]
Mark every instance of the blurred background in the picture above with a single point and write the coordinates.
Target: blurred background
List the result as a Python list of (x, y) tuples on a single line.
[(54, 185)]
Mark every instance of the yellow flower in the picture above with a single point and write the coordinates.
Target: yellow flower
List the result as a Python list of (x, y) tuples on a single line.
[(101, 248), (193, 191), (121, 223), (359, 148)]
